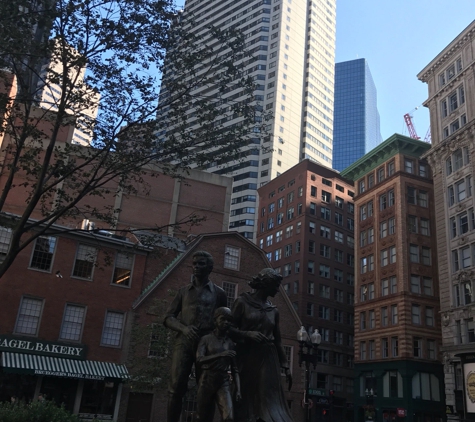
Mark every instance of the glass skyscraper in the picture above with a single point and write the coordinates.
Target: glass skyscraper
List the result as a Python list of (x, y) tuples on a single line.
[(356, 128)]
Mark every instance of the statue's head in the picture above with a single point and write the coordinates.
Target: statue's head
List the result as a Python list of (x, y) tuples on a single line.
[(200, 257), (268, 279)]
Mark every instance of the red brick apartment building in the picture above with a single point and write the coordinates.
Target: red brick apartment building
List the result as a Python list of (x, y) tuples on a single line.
[(398, 373), (236, 261), (305, 226)]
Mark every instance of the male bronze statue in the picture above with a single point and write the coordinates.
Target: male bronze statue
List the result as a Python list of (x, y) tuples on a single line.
[(191, 315)]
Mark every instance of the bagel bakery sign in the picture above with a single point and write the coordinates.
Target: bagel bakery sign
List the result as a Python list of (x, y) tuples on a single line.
[(41, 347)]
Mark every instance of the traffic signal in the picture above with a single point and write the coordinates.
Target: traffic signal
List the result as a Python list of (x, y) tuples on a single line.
[(324, 412), (332, 393)]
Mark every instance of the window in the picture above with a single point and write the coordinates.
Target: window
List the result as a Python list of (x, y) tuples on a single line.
[(338, 218), (338, 316), (393, 284), (414, 253), (361, 186), (338, 236), (310, 287), (417, 347), (384, 287), (297, 267), (326, 196), (311, 227), (370, 180), (43, 252), (383, 229), (278, 237), (431, 351), (324, 291), (415, 284), (123, 269), (277, 254), (391, 168), (384, 316), (269, 240), (426, 256), (416, 314), (311, 267), (372, 320), (372, 349), (338, 255), (85, 261), (73, 320), (324, 250), (5, 240), (339, 295), (429, 316), (370, 235), (425, 227), (311, 246), (324, 271), (394, 315), (232, 257), (29, 315), (384, 347), (411, 195), (310, 307), (412, 224), (325, 213), (408, 165), (363, 320), (339, 202), (394, 346), (338, 275), (296, 287), (427, 286), (324, 312), (362, 350), (313, 191), (392, 384), (289, 232), (231, 291), (338, 337), (380, 174), (113, 326), (325, 232)]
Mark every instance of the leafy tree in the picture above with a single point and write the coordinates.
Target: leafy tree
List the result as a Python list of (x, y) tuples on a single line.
[(73, 52)]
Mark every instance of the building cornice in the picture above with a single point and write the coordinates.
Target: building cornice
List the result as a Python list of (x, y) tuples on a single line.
[(447, 53), (396, 144)]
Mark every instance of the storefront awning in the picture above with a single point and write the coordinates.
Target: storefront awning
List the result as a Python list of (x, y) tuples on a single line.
[(58, 367)]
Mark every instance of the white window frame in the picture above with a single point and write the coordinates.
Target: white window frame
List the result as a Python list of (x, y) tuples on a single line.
[(232, 257), (23, 315), (64, 322), (108, 313)]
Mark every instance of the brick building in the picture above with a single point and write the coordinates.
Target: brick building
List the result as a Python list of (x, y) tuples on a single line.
[(305, 226), (236, 260), (63, 319), (451, 101), (397, 324)]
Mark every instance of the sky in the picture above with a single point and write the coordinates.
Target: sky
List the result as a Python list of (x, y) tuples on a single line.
[(398, 38)]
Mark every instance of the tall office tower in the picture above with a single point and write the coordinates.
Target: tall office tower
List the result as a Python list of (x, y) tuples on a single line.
[(397, 320), (293, 65), (306, 228), (49, 91), (451, 102), (356, 119)]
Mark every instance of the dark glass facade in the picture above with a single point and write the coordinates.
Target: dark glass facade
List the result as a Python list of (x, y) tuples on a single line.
[(356, 128)]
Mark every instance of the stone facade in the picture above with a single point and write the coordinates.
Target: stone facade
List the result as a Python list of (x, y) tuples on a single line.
[(451, 86)]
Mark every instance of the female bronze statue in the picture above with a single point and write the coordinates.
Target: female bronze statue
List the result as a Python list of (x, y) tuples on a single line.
[(260, 353)]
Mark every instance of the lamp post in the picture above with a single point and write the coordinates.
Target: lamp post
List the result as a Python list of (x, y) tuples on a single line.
[(308, 353)]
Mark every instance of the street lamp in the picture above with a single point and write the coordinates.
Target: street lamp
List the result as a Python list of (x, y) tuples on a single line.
[(308, 353)]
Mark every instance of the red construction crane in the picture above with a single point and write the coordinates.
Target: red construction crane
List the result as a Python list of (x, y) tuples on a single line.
[(410, 126)]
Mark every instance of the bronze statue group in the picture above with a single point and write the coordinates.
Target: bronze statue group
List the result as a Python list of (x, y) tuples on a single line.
[(243, 342)]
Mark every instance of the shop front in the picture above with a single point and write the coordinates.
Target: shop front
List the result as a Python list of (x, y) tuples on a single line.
[(33, 369)]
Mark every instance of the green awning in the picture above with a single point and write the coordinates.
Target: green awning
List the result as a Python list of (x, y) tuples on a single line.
[(59, 367)]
